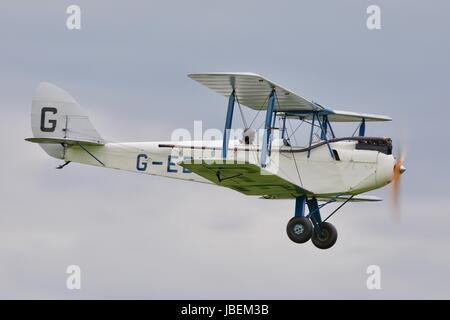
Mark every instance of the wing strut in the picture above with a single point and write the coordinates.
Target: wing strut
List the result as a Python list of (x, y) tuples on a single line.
[(324, 135), (228, 122), (265, 150), (362, 128)]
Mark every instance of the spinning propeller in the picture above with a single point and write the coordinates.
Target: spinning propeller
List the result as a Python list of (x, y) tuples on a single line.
[(395, 191)]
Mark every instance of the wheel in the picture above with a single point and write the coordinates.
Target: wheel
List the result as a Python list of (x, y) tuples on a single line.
[(299, 229), (326, 237)]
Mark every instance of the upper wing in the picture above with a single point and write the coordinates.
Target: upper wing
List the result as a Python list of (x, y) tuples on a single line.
[(344, 116), (252, 90), (348, 116), (246, 178)]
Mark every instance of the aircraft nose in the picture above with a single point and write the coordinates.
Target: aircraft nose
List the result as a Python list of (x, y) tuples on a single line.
[(402, 169)]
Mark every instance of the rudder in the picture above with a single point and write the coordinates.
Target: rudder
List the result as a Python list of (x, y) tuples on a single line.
[(56, 117)]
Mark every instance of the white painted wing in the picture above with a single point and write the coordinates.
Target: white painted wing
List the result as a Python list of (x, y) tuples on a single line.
[(345, 116), (252, 90)]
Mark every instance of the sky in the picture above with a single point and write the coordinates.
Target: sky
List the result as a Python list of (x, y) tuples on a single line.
[(143, 237)]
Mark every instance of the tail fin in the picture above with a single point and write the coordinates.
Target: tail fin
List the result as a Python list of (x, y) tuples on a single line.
[(57, 119)]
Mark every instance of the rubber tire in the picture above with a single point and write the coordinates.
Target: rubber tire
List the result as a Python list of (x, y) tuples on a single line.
[(328, 237), (294, 226)]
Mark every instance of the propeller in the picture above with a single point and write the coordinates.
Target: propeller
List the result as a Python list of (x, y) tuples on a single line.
[(399, 168)]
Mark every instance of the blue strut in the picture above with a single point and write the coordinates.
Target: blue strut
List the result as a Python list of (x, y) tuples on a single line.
[(323, 131), (228, 122), (300, 206), (362, 128), (267, 129), (314, 212)]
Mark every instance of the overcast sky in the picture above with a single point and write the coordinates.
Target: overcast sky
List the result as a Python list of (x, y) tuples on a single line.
[(136, 236)]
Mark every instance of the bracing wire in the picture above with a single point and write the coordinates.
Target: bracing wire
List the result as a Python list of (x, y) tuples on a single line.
[(256, 115), (292, 135), (242, 113)]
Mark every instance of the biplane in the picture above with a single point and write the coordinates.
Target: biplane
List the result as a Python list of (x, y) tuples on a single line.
[(327, 169)]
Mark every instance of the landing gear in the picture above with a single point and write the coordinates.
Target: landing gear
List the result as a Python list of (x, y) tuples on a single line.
[(301, 228), (326, 237)]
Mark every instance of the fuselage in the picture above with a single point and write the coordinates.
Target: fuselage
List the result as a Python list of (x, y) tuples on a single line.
[(348, 171)]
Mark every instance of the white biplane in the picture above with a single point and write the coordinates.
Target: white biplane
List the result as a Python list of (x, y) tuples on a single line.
[(324, 171)]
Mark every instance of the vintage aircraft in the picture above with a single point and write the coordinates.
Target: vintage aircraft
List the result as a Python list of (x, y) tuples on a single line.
[(324, 171)]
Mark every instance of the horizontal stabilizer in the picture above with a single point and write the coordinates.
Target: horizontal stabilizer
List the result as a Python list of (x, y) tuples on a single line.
[(64, 141)]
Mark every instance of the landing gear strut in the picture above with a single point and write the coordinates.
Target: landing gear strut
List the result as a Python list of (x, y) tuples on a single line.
[(301, 228)]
